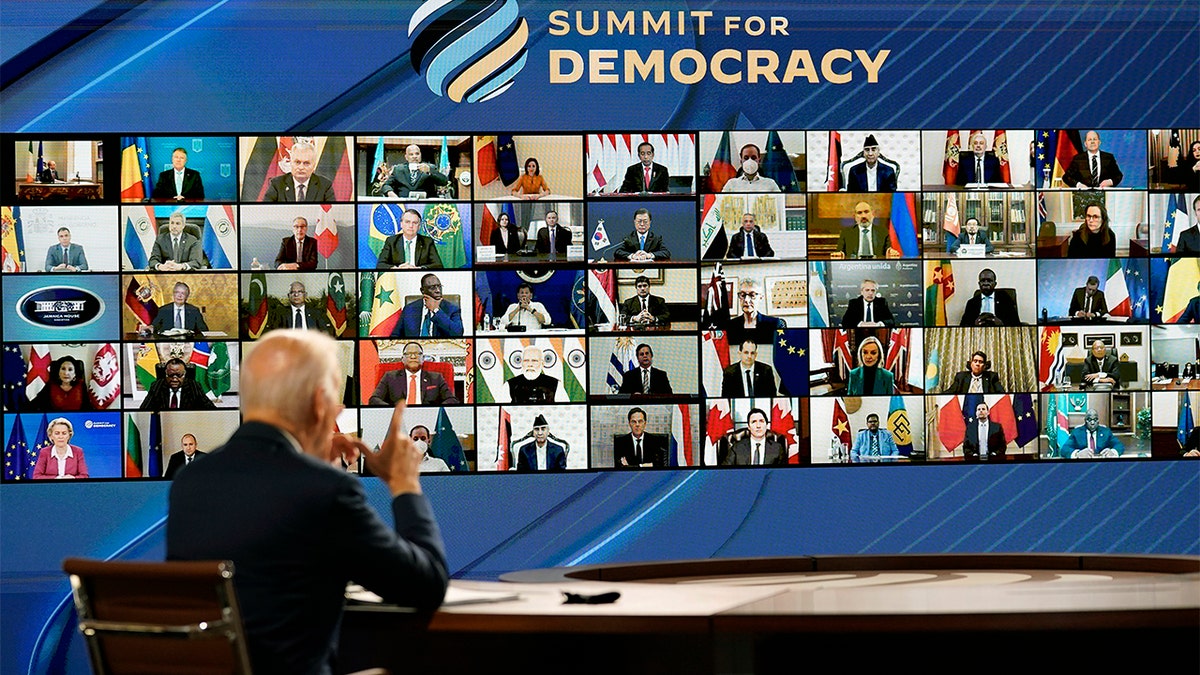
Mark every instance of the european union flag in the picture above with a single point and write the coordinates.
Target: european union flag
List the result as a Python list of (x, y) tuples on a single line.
[(154, 448), (12, 392), (446, 445), (1138, 286), (1185, 419), (16, 452), (1027, 426), (777, 165), (791, 360)]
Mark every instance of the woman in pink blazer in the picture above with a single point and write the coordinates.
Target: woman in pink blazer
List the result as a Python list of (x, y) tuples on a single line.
[(60, 454)]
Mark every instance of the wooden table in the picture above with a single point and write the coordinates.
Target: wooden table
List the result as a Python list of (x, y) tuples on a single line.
[(60, 191)]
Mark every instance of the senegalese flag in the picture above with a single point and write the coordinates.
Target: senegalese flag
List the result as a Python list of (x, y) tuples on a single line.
[(939, 290), (386, 305)]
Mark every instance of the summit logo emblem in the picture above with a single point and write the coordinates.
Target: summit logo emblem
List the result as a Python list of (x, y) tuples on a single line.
[(468, 50)]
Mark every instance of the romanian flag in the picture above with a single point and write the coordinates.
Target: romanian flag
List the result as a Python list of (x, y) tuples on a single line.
[(135, 169), (939, 290)]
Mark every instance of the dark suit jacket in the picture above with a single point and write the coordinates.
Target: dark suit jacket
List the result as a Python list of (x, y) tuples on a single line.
[(962, 383), (1109, 365), (287, 253), (193, 320), (297, 530), (282, 318), (562, 239), (1077, 440), (48, 175), (1078, 301), (402, 183), (393, 387), (193, 187), (1080, 172), (556, 457), (654, 451), (283, 189), (190, 251), (856, 312), (656, 305), (654, 244), (1006, 309), (1188, 241), (425, 252), (737, 245), (177, 462), (733, 386), (75, 257), (191, 397), (741, 453), (966, 169), (1192, 313), (541, 389), (763, 333), (635, 179), (885, 178), (980, 238), (446, 323), (848, 240), (995, 442), (514, 240), (631, 382)]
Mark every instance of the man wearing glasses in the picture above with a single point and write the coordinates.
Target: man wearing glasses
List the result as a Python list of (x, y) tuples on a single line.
[(299, 251), (751, 324), (297, 313)]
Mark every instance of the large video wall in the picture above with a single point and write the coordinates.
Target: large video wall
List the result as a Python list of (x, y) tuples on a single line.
[(607, 301)]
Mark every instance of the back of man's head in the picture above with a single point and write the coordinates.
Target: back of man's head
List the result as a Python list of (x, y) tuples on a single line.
[(283, 371)]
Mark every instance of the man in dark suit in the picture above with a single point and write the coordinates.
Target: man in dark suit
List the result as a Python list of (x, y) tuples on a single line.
[(296, 526), (179, 314), (977, 379), (299, 251), (541, 453), (176, 250), (641, 245), (850, 239), (1188, 242), (301, 184), (751, 324), (988, 301), (297, 313), (980, 166), (174, 391), (1088, 302), (1092, 168), (431, 316), (645, 309), (756, 449), (49, 174), (747, 377), (645, 380), (183, 458), (413, 176), (409, 250), (415, 384), (1191, 314), (639, 448), (871, 175), (749, 241), (869, 309), (561, 236), (179, 183), (984, 440), (1101, 368), (65, 256), (646, 176), (1091, 440)]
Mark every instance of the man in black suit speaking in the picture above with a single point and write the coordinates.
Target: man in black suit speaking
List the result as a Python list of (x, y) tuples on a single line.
[(871, 175), (979, 166), (299, 251), (643, 308), (297, 314), (869, 309), (1092, 168), (747, 377), (415, 384), (179, 183), (301, 184), (645, 380), (646, 175), (984, 440), (49, 174), (749, 242), (639, 448), (296, 526), (641, 245), (184, 457), (552, 238), (977, 379), (180, 314), (988, 302), (413, 175)]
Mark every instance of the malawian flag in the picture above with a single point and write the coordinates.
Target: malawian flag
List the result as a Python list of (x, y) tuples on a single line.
[(1115, 290), (579, 298), (327, 232), (134, 461), (950, 224), (334, 163), (485, 160), (714, 353), (1186, 422), (12, 391), (714, 241), (718, 422), (839, 427), (951, 427), (219, 239), (1003, 413), (16, 452), (623, 358), (933, 371), (385, 222), (135, 169), (385, 306), (574, 369), (1000, 148), (833, 175), (154, 447), (783, 422), (1051, 359), (504, 459), (939, 290), (256, 322), (140, 230), (220, 370), (777, 165), (721, 170), (1182, 277), (602, 296), (201, 353), (143, 298), (818, 303), (507, 164), (950, 158), (899, 425), (105, 387), (1026, 414), (12, 240), (335, 303), (444, 224), (714, 308), (483, 299), (445, 444), (790, 356), (902, 226), (897, 356), (1069, 145), (681, 451), (37, 372), (144, 366)]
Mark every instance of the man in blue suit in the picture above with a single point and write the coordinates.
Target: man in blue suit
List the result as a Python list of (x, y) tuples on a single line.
[(179, 314), (1091, 440), (431, 316), (1191, 314), (65, 256), (871, 175), (541, 454), (979, 166), (874, 444)]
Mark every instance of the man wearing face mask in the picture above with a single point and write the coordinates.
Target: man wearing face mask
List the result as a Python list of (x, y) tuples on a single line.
[(748, 179), (532, 385), (420, 436), (1091, 440)]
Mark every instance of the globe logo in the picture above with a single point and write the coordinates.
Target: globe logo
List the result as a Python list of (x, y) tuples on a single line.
[(468, 50)]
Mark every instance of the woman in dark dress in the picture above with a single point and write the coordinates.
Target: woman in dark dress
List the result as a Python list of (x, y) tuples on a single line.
[(1094, 238), (506, 237)]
